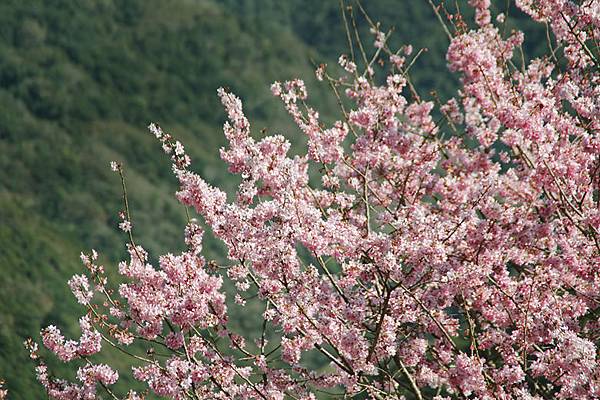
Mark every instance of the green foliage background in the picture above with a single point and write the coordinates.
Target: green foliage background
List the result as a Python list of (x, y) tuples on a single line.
[(80, 81)]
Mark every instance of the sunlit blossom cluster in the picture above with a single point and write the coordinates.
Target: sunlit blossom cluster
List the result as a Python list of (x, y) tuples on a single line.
[(444, 252)]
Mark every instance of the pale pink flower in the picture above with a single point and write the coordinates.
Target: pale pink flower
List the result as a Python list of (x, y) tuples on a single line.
[(125, 226)]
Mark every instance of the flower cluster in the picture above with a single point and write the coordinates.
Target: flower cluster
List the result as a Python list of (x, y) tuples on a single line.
[(67, 350), (439, 260)]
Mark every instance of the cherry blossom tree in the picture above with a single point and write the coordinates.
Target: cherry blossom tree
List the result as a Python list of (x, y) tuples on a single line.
[(445, 251)]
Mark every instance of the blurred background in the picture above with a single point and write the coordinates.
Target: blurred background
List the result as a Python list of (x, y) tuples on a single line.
[(81, 80)]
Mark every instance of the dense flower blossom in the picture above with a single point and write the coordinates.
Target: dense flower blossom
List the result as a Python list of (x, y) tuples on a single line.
[(89, 342), (438, 260), (81, 288)]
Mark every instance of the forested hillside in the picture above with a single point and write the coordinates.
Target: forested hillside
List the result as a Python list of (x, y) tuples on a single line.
[(80, 81)]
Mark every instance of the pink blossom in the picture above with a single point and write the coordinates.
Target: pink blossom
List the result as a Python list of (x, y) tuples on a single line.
[(125, 226), (409, 254), (81, 289)]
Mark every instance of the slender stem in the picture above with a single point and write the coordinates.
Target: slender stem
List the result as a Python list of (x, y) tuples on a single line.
[(347, 29), (410, 378), (440, 19)]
